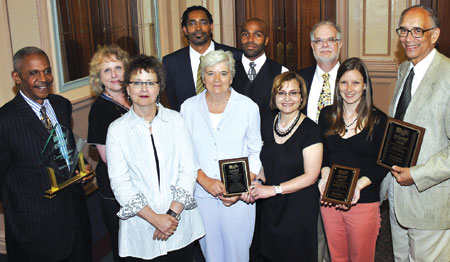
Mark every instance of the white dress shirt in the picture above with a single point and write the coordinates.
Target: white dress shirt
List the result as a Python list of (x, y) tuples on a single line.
[(259, 62), (419, 72), (237, 134), (134, 180), (316, 88), (195, 59)]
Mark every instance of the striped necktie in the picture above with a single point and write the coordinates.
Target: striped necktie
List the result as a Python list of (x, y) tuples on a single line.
[(45, 119), (199, 87), (325, 94)]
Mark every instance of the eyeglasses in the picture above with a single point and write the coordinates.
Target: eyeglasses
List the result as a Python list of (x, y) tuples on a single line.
[(290, 94), (196, 23), (330, 40), (416, 32), (139, 84)]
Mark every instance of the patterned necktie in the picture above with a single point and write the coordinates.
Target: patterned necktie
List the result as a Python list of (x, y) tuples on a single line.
[(325, 94), (252, 72), (405, 98), (45, 119), (199, 87)]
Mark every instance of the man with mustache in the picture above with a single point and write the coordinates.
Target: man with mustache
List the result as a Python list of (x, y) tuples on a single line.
[(320, 81), (181, 67), (37, 228), (255, 72)]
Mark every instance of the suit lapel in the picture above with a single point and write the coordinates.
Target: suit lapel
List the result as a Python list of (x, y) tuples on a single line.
[(25, 112), (425, 88), (186, 71)]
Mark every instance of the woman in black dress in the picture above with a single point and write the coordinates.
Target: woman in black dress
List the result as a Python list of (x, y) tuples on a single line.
[(105, 76), (291, 164), (352, 130)]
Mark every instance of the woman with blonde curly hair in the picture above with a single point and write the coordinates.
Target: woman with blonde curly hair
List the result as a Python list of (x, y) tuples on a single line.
[(105, 76)]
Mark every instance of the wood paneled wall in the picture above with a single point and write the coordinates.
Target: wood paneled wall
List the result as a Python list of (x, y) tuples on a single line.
[(289, 22)]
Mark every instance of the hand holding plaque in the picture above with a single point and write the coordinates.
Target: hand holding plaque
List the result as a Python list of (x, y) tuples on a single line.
[(401, 144), (341, 185), (235, 175), (61, 155)]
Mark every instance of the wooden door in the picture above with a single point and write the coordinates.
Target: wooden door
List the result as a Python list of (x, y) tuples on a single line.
[(442, 8), (289, 22)]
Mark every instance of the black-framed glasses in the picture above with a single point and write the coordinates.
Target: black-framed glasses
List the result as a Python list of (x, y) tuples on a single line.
[(416, 32), (139, 84), (331, 41)]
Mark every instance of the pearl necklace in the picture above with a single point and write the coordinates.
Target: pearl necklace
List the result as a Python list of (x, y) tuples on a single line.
[(347, 126), (282, 132)]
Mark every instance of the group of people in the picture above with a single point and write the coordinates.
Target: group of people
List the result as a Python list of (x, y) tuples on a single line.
[(159, 180)]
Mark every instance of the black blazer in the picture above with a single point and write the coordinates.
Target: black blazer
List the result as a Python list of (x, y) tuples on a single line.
[(178, 74), (308, 75), (37, 228)]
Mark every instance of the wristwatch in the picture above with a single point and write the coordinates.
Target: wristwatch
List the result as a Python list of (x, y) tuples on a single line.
[(172, 213), (278, 190)]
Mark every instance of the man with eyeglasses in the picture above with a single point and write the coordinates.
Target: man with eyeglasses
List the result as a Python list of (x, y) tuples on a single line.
[(419, 196), (320, 81), (255, 72), (181, 67)]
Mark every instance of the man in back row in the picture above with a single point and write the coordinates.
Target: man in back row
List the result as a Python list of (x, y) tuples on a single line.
[(320, 81), (181, 67), (255, 72)]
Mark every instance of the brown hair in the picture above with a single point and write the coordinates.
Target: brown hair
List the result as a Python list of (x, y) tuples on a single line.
[(366, 117), (278, 84)]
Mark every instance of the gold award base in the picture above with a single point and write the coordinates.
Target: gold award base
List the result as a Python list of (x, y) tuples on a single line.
[(55, 187)]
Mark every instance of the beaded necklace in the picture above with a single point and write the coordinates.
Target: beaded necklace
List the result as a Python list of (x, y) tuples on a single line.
[(282, 132)]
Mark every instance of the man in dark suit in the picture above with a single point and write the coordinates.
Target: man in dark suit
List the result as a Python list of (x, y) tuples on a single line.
[(37, 228), (320, 81), (326, 45), (255, 72), (181, 67), (419, 196)]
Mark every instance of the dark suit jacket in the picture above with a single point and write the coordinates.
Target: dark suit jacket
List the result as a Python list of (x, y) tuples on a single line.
[(179, 81), (308, 75), (37, 228)]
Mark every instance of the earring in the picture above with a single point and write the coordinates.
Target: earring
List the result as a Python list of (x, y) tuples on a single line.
[(158, 99)]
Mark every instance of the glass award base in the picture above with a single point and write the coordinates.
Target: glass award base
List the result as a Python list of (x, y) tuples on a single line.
[(56, 187)]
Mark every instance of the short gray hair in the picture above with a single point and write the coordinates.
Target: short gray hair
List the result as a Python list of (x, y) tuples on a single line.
[(327, 22), (431, 13), (216, 57), (26, 51)]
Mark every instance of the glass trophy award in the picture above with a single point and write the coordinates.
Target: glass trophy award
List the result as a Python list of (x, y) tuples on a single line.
[(61, 155)]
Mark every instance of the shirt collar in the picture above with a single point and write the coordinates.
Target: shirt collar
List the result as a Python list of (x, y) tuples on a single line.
[(36, 107), (332, 73), (422, 66), (196, 55), (135, 120), (258, 61)]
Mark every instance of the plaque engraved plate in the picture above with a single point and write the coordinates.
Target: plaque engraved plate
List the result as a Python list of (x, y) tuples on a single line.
[(341, 185), (235, 175), (401, 144)]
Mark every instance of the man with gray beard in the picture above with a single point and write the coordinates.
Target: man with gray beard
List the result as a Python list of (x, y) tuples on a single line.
[(320, 81)]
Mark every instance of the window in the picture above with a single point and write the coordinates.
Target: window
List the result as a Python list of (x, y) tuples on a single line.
[(81, 26)]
